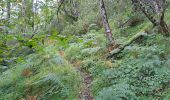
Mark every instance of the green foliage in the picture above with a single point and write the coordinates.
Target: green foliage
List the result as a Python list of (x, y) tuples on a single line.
[(88, 45), (119, 92), (140, 72), (42, 66), (143, 73), (45, 75), (94, 65), (72, 53)]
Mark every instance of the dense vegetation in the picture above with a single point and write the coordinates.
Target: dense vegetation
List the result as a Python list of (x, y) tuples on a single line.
[(58, 50)]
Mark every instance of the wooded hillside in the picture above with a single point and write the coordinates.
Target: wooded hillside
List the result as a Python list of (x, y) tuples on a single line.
[(84, 49)]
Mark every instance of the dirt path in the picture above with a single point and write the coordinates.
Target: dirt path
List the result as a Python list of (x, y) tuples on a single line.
[(85, 93)]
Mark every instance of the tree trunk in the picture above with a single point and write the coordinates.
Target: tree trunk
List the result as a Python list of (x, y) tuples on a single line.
[(105, 21), (24, 16), (33, 16), (159, 7), (23, 8), (8, 9), (8, 14), (162, 23), (164, 28)]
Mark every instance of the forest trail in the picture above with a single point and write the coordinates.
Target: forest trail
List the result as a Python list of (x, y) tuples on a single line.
[(85, 93)]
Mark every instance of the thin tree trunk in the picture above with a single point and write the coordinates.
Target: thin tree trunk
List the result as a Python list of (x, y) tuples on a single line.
[(23, 8), (164, 27), (2, 14), (162, 23), (105, 21), (159, 7), (24, 15), (33, 16), (8, 14), (8, 9), (144, 10)]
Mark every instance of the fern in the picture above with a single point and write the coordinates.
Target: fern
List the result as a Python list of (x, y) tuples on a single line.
[(116, 92), (45, 71)]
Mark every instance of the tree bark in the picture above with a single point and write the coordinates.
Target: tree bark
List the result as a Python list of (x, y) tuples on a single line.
[(24, 16), (33, 16), (164, 28), (162, 23), (105, 21), (8, 9), (23, 8), (159, 8)]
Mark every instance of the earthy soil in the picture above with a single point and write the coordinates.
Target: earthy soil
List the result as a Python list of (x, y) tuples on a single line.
[(85, 93)]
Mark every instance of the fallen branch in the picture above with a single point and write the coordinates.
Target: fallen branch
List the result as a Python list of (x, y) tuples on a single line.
[(133, 21), (122, 47)]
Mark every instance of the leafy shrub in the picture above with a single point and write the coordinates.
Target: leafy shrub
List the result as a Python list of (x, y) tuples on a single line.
[(118, 92), (91, 44), (94, 65), (72, 53)]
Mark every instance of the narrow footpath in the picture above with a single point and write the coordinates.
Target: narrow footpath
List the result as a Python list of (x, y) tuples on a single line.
[(85, 93)]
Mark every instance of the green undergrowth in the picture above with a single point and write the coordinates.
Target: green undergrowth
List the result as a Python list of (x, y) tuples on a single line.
[(45, 75), (44, 67), (141, 71)]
